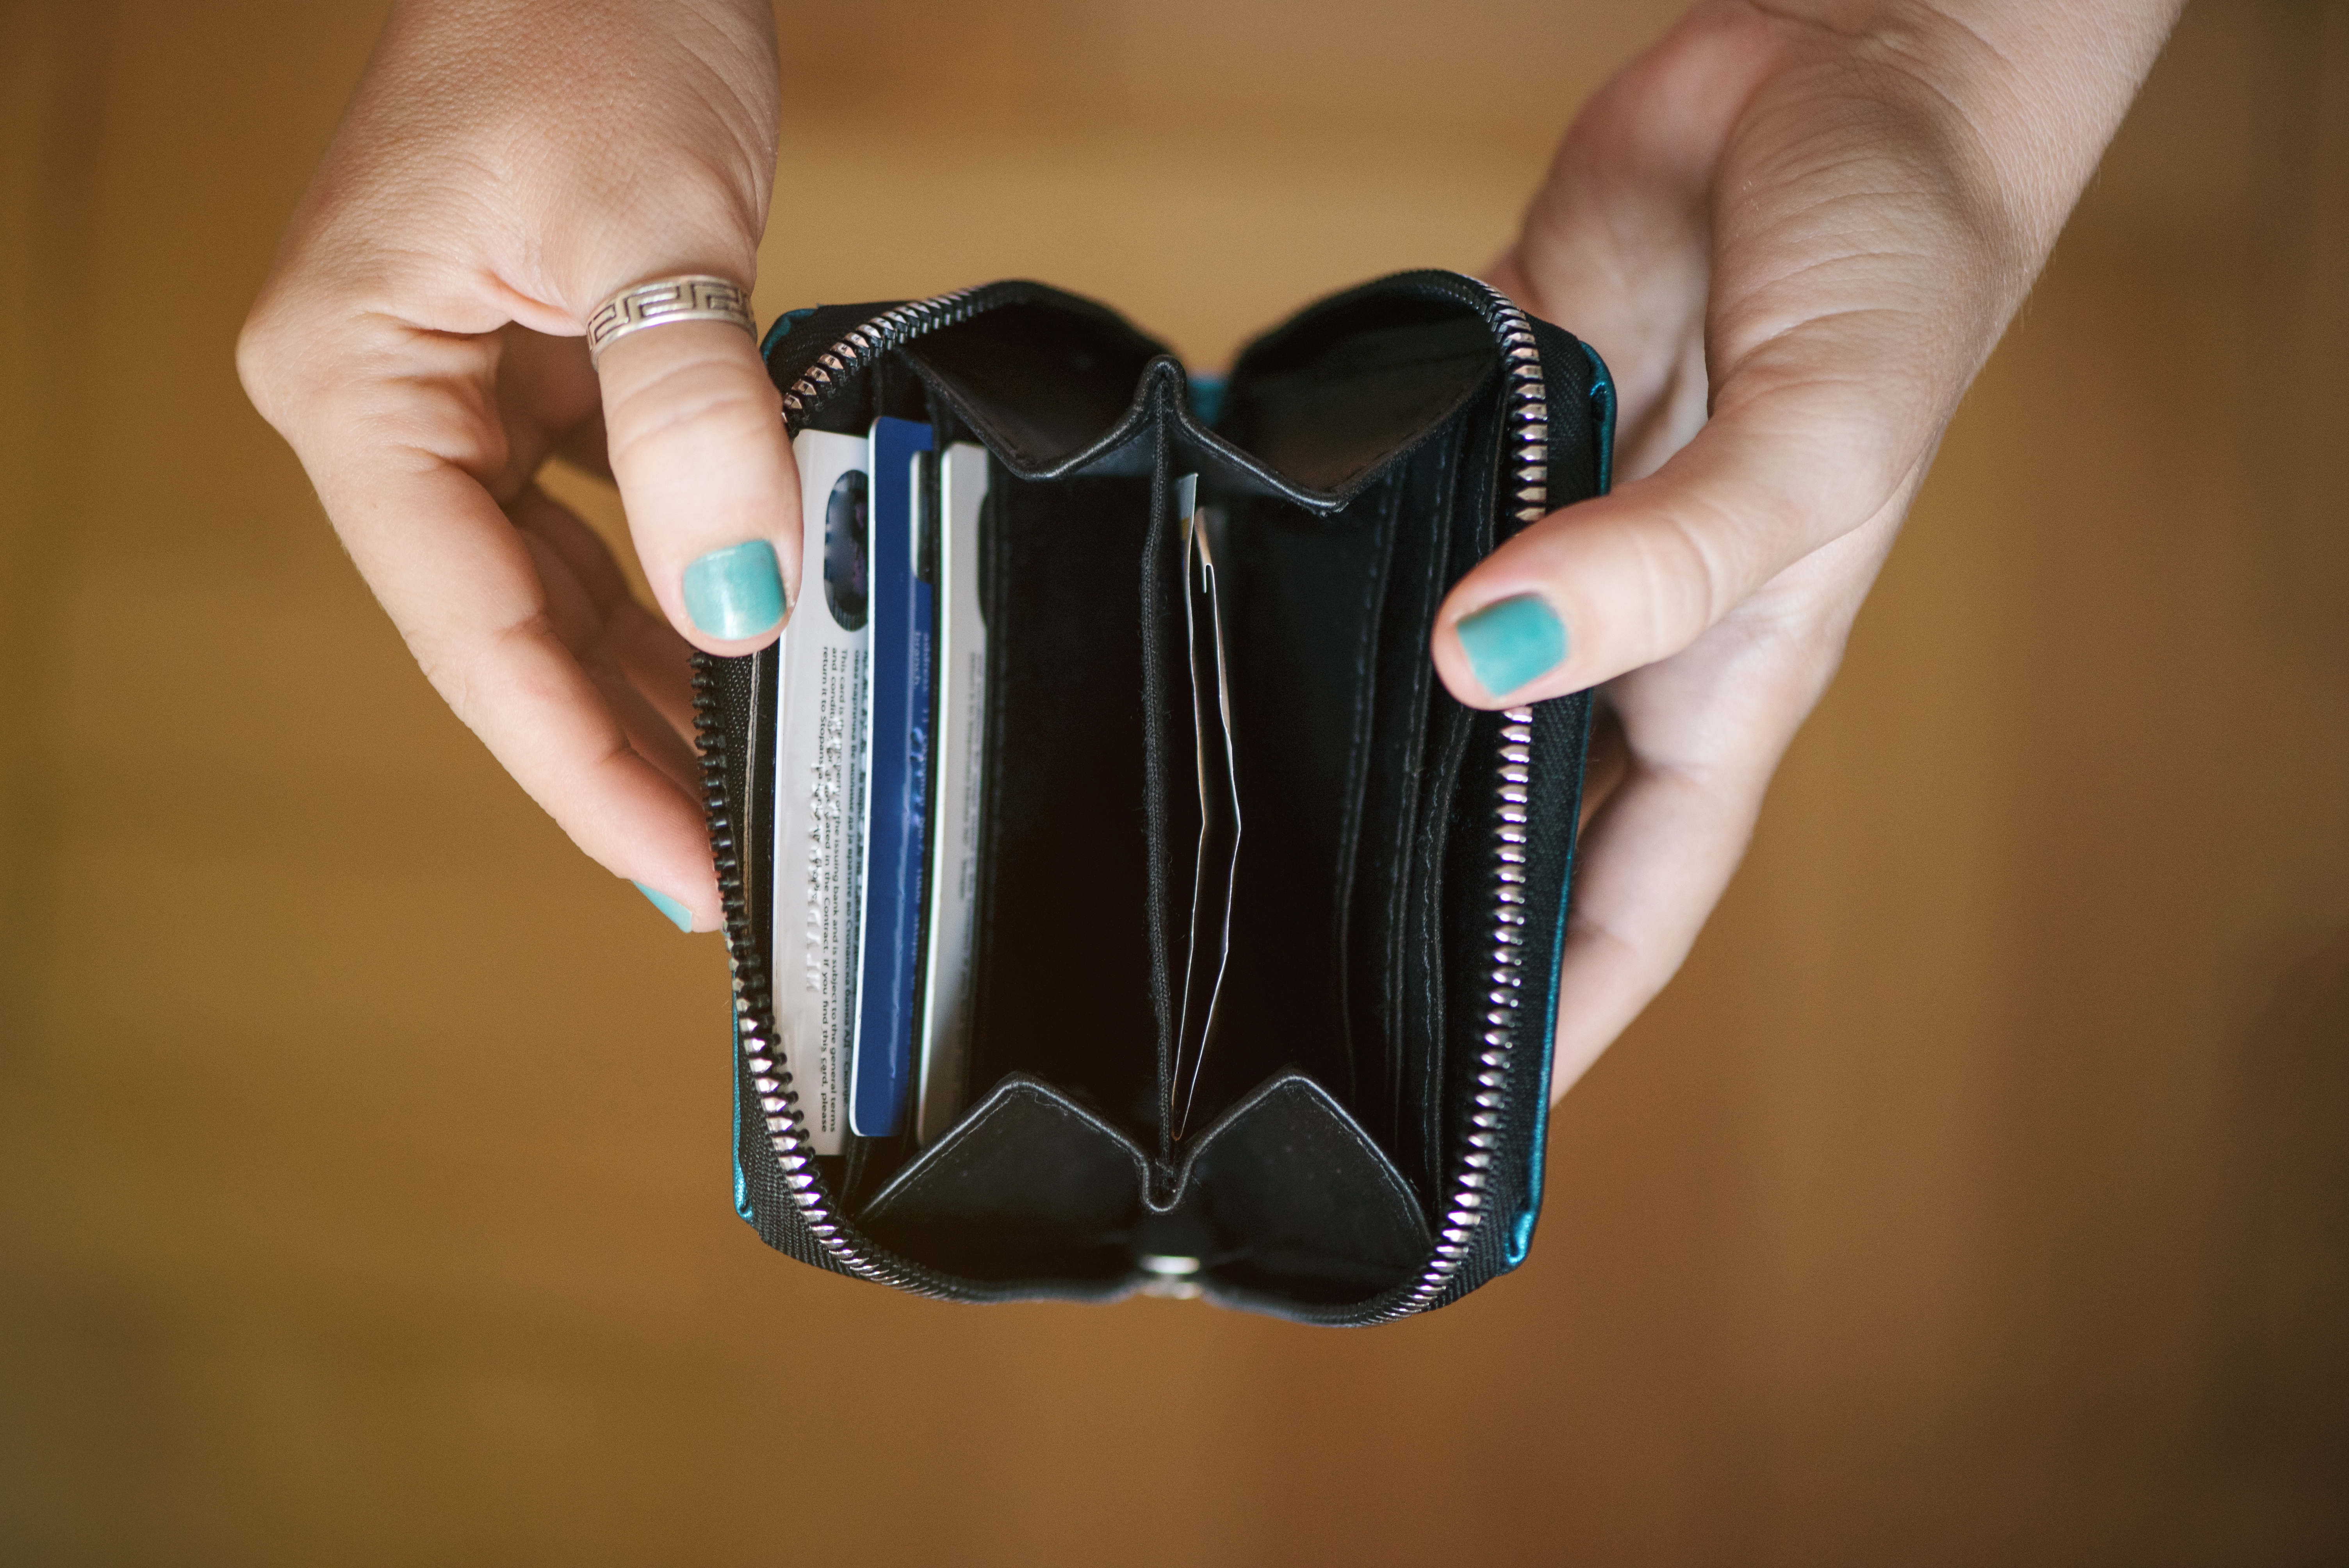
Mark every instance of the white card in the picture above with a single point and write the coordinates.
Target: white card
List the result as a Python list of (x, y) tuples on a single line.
[(959, 736), (823, 767)]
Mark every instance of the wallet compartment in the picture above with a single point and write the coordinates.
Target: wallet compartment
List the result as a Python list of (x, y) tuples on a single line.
[(1358, 471)]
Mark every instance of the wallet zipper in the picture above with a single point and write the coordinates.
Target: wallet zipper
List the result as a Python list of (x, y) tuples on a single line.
[(1525, 423), (1525, 467), (875, 337)]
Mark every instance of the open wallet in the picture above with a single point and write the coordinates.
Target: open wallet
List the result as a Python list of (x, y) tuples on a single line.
[(1230, 964)]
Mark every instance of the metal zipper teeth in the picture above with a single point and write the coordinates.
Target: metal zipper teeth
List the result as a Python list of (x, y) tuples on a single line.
[(876, 336), (779, 1102), (1527, 428)]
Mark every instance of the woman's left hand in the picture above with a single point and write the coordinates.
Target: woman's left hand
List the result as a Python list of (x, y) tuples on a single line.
[(1794, 231)]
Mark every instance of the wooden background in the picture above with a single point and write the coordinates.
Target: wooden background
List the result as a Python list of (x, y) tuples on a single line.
[(1978, 1195)]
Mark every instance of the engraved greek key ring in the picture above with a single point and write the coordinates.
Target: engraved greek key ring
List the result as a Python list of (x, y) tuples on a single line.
[(659, 302)]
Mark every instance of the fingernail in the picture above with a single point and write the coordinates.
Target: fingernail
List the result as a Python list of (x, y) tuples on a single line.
[(679, 917), (737, 591), (1512, 642)]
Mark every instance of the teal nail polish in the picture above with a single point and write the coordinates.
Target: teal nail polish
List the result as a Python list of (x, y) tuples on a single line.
[(737, 591), (1513, 642), (679, 917)]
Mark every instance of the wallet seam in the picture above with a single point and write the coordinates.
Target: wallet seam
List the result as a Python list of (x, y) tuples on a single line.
[(1157, 783)]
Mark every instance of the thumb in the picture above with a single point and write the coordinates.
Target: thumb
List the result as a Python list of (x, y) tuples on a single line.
[(1611, 585), (1853, 281), (694, 433)]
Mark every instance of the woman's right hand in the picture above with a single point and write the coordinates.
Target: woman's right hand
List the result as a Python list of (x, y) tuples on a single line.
[(505, 166)]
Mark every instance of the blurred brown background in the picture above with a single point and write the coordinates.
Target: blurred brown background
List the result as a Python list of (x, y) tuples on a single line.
[(1978, 1195)]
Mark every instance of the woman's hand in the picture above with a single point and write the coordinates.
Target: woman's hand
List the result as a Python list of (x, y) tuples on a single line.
[(505, 166), (1795, 230)]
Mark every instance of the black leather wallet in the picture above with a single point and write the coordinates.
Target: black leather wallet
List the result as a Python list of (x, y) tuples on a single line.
[(1362, 1137)]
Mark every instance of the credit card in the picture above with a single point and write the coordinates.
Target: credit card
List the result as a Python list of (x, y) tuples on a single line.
[(954, 801), (822, 761), (903, 632)]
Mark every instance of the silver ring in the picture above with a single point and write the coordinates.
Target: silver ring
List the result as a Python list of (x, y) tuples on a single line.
[(693, 296)]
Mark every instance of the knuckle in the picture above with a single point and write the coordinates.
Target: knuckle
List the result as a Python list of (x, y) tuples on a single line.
[(480, 673), (706, 393), (1688, 577), (262, 362)]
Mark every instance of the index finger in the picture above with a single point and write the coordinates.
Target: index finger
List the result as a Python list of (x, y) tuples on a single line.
[(394, 459)]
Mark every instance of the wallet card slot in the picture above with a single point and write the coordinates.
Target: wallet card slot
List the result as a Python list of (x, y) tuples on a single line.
[(1389, 979), (1066, 941), (1447, 897), (1300, 593), (1170, 798), (1346, 755)]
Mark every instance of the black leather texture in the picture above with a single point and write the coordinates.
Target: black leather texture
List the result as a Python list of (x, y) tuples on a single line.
[(1361, 463), (1284, 1194)]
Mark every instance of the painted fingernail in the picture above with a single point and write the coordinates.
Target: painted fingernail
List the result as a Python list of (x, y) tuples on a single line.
[(737, 591), (679, 917), (1512, 642)]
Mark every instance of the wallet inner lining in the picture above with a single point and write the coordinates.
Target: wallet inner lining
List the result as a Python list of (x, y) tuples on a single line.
[(1038, 382), (1329, 399), (1340, 751), (1346, 763), (1065, 987)]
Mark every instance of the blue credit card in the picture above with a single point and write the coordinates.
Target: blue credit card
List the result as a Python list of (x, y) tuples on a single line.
[(903, 629)]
